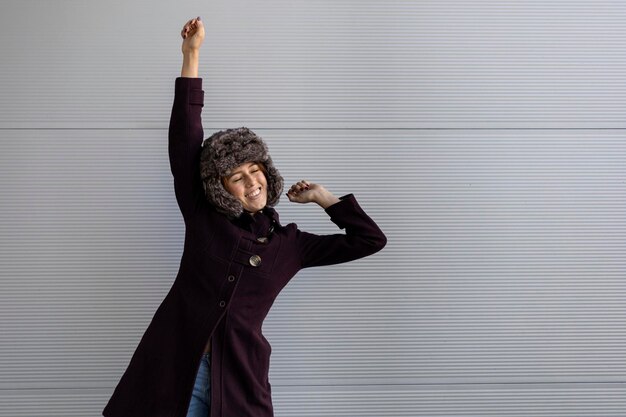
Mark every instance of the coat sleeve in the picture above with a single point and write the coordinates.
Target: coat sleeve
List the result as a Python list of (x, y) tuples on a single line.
[(362, 238), (184, 143)]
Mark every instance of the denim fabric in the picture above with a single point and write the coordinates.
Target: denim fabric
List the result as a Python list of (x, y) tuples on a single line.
[(201, 397)]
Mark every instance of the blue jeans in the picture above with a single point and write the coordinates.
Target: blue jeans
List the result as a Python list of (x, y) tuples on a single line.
[(201, 398)]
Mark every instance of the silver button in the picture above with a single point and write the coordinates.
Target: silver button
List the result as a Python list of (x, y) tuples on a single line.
[(261, 239), (222, 303), (231, 278), (255, 260)]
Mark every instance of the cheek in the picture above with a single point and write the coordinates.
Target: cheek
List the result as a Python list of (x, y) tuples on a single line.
[(233, 189)]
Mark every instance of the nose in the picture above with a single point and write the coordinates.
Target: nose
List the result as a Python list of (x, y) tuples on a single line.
[(249, 181)]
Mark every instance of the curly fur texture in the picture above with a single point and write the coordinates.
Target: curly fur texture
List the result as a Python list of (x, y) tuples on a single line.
[(227, 149)]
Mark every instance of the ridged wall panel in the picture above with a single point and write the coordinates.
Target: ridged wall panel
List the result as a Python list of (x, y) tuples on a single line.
[(487, 139)]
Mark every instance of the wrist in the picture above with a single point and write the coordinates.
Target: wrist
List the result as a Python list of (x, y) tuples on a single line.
[(326, 199), (191, 52)]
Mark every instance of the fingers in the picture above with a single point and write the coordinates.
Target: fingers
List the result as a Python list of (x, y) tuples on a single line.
[(304, 185), (299, 187), (297, 190), (190, 27), (186, 28)]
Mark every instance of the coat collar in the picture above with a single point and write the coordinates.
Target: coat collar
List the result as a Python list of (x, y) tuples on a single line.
[(246, 219), (272, 214)]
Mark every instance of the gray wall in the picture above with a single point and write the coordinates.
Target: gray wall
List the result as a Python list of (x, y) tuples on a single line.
[(487, 139)]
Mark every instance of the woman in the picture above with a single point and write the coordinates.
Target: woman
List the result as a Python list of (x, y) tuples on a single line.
[(203, 353)]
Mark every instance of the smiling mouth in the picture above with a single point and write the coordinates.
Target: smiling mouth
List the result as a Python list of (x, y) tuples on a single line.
[(254, 193)]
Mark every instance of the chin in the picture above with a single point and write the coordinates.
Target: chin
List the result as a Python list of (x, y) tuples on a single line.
[(256, 207)]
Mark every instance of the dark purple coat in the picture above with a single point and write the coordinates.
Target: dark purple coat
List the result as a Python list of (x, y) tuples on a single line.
[(220, 294)]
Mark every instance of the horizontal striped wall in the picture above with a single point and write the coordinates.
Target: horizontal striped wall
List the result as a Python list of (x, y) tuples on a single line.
[(318, 64), (485, 138)]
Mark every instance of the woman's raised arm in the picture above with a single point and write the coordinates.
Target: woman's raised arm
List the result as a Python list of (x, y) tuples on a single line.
[(185, 129)]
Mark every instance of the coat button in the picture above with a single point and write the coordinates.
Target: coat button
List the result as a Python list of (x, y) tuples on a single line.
[(261, 239), (255, 260), (231, 278), (222, 303)]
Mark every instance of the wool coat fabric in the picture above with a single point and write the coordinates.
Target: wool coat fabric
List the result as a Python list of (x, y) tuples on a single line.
[(227, 282)]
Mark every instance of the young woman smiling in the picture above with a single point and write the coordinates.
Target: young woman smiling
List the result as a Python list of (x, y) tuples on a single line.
[(204, 353)]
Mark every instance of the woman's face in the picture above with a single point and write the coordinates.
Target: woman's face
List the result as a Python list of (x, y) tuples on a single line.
[(248, 184)]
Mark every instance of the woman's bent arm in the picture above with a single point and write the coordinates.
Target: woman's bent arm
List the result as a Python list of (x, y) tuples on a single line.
[(363, 237)]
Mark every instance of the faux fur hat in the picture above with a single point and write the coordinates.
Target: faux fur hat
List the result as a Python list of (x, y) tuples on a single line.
[(227, 149)]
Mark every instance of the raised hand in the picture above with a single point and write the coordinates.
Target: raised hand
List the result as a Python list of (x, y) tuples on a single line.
[(193, 35)]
